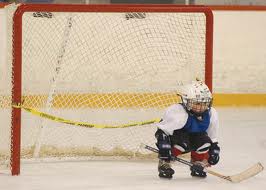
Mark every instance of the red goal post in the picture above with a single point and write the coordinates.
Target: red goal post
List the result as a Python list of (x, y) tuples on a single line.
[(17, 82)]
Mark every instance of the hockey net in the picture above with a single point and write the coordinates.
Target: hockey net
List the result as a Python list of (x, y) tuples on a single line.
[(106, 65)]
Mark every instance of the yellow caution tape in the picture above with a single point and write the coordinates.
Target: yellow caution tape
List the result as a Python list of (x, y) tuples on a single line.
[(83, 124)]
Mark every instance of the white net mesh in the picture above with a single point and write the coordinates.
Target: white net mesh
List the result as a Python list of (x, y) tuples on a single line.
[(106, 68)]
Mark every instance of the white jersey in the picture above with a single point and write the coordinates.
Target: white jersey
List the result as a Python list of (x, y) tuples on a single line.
[(176, 117)]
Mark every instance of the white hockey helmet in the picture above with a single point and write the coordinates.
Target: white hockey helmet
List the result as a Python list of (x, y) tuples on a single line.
[(196, 97)]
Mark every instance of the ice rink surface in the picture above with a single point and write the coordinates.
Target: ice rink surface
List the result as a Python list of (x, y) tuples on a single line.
[(242, 138)]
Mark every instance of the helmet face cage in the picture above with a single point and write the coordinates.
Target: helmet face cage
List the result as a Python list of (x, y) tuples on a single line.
[(198, 105)]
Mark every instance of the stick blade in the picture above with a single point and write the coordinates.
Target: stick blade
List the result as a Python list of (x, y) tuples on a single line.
[(248, 173)]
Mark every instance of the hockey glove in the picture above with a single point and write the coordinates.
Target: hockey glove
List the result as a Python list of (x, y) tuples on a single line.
[(164, 145), (214, 152)]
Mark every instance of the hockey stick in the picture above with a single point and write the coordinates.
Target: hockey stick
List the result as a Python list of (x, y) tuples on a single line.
[(83, 124), (248, 173)]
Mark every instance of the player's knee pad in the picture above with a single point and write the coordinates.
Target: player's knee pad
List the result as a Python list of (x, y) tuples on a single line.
[(180, 148), (177, 150), (203, 148), (201, 153)]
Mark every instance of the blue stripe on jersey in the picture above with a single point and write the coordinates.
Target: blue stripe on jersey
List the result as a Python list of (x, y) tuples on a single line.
[(194, 125)]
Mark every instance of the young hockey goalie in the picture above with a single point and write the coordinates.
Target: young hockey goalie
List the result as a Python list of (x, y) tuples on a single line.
[(190, 126)]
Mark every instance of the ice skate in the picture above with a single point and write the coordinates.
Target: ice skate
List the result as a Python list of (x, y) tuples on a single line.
[(165, 170), (199, 173)]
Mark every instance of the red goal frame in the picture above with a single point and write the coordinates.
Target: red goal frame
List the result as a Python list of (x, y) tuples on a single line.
[(17, 52)]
